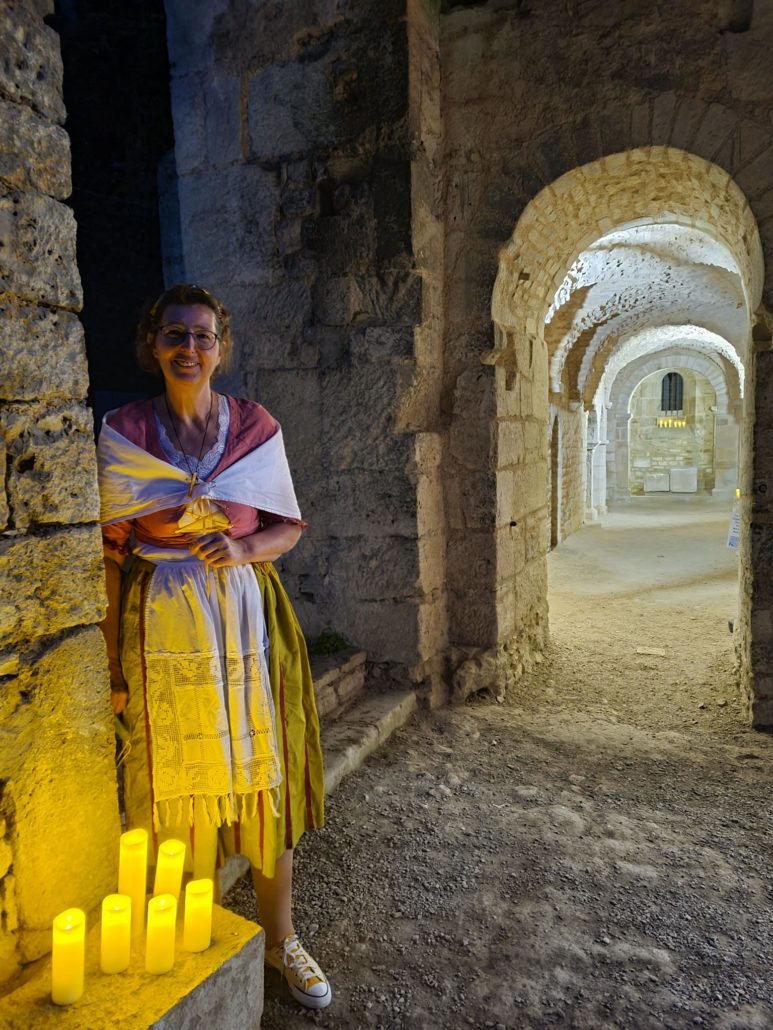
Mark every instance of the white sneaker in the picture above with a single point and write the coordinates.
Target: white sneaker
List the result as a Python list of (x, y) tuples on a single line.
[(306, 981)]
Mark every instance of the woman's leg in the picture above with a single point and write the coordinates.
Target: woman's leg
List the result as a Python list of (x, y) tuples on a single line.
[(307, 983), (275, 895)]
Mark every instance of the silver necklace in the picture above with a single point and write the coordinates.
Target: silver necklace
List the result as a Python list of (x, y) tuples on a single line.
[(193, 472)]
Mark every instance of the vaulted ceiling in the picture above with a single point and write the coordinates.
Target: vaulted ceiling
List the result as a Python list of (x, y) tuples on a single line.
[(646, 289)]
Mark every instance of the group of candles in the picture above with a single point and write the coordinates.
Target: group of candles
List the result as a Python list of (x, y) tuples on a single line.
[(671, 423), (123, 916)]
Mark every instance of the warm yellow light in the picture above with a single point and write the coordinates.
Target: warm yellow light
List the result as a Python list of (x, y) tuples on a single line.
[(197, 928), (68, 956), (159, 944), (169, 868), (133, 873), (116, 935)]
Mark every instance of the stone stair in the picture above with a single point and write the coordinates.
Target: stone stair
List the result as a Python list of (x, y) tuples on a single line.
[(353, 722)]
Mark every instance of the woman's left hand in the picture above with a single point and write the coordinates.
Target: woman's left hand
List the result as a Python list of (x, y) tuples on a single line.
[(219, 550)]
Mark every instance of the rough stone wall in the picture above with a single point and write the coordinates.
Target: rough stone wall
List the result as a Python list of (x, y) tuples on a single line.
[(421, 411), (294, 186), (525, 101), (58, 808), (573, 441)]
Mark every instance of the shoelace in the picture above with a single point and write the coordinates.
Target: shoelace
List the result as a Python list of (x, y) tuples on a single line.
[(301, 963)]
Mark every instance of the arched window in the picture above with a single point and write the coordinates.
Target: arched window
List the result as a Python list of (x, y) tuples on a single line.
[(671, 392)]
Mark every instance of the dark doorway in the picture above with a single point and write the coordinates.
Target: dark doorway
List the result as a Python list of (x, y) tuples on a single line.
[(116, 90)]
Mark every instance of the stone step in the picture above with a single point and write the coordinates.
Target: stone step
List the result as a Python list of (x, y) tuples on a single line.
[(358, 731), (338, 679)]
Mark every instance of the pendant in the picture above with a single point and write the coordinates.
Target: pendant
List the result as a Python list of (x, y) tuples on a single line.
[(194, 481)]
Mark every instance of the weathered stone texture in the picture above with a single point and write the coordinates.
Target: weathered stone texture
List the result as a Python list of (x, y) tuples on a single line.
[(348, 439), (282, 109), (34, 155), (235, 205), (5, 510), (51, 477), (38, 250), (43, 353), (295, 116), (30, 61), (61, 780), (50, 583)]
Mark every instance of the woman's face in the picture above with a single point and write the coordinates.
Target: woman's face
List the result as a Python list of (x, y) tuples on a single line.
[(179, 344)]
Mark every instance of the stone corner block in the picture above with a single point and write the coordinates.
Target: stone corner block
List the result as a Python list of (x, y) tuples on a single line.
[(52, 475), (221, 987), (38, 250), (31, 61), (29, 334), (50, 583), (34, 154)]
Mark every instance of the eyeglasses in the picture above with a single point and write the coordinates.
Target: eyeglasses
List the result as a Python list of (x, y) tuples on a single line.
[(174, 335)]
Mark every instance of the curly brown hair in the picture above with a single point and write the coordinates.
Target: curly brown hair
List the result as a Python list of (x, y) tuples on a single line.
[(181, 293)]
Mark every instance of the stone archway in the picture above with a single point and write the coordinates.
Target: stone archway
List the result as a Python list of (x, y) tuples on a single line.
[(554, 484), (653, 186), (728, 386)]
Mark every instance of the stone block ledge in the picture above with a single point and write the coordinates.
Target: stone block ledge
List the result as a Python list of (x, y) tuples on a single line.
[(357, 733), (221, 987), (338, 679)]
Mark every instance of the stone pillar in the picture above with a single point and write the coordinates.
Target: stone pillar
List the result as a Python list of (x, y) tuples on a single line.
[(600, 465), (755, 631), (726, 438), (58, 810), (596, 465), (617, 459)]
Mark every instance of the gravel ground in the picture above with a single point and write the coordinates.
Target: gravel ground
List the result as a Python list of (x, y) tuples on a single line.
[(593, 852)]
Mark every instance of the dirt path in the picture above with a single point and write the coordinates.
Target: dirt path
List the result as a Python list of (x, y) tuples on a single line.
[(594, 852)]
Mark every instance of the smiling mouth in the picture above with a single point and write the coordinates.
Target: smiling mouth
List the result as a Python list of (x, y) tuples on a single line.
[(185, 364)]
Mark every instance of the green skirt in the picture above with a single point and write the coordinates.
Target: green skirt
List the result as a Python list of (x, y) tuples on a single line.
[(278, 825)]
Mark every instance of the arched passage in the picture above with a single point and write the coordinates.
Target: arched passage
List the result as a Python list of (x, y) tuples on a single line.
[(725, 379), (657, 194)]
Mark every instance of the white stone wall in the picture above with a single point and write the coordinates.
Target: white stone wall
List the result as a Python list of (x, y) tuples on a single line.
[(658, 449)]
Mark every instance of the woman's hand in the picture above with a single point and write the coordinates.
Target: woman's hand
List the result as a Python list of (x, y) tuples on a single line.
[(219, 550)]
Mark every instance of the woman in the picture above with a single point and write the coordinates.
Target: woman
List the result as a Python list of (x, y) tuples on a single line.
[(224, 746)]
